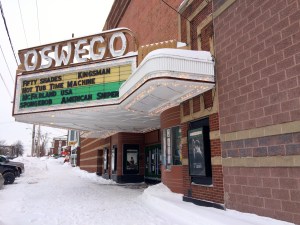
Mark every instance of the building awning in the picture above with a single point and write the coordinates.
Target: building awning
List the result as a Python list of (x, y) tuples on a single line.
[(165, 78)]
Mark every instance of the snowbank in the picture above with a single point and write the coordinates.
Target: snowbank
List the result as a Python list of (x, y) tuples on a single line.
[(91, 176), (162, 201)]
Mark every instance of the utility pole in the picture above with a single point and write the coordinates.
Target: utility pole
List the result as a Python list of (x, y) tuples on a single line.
[(32, 141), (39, 136)]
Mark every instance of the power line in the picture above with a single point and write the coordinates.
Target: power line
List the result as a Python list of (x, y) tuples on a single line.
[(37, 15), (7, 64), (6, 86), (7, 32), (23, 23), (175, 10)]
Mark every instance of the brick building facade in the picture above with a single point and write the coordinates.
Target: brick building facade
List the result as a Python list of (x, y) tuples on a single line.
[(252, 113), (257, 49), (208, 102), (57, 144)]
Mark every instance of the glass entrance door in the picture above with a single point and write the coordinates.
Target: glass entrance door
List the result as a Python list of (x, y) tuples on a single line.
[(153, 162)]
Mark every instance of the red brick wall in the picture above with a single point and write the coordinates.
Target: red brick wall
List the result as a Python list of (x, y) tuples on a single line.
[(152, 137), (206, 32), (173, 178), (273, 192), (153, 22), (215, 192), (258, 64), (86, 163), (257, 47), (170, 117)]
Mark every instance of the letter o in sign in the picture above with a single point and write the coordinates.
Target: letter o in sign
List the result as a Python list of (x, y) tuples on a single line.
[(32, 60), (117, 53)]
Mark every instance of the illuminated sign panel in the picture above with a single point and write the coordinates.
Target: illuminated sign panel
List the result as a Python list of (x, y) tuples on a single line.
[(87, 85), (82, 86)]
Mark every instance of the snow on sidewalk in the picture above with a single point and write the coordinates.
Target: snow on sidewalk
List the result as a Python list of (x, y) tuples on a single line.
[(53, 193), (162, 201)]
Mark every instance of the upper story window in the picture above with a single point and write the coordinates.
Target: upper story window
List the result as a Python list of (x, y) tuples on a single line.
[(172, 146)]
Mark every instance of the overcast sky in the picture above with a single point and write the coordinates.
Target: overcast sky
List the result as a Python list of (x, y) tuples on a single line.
[(58, 19)]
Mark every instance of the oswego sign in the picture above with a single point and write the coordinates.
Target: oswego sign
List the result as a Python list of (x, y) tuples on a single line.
[(103, 46)]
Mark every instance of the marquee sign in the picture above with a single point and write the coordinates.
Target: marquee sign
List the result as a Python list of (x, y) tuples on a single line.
[(99, 47), (83, 86), (80, 72)]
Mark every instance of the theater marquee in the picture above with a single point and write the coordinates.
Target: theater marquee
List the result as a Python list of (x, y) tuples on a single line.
[(75, 73), (85, 86)]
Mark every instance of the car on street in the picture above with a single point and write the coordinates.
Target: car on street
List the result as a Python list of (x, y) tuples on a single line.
[(8, 172), (19, 165)]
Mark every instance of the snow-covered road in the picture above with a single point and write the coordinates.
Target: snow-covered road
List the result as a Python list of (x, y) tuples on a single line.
[(53, 193)]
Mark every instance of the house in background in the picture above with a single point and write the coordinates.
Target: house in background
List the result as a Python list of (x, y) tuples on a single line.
[(57, 145)]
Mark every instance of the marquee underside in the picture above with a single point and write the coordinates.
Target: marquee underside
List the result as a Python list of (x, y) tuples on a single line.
[(164, 79)]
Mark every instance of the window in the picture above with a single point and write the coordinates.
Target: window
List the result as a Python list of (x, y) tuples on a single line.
[(199, 152), (172, 146), (72, 135)]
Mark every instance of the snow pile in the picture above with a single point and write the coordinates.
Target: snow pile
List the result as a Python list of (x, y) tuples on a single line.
[(162, 201), (91, 176)]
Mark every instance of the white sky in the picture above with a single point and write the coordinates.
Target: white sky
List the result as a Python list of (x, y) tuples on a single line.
[(58, 19)]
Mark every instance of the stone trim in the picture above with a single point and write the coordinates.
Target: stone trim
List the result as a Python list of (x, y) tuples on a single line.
[(88, 166), (179, 27), (185, 162), (184, 5), (203, 24), (90, 143), (198, 10), (188, 34), (89, 158), (223, 8), (214, 135), (216, 160), (92, 150), (284, 128), (95, 149), (199, 29), (203, 112), (271, 161)]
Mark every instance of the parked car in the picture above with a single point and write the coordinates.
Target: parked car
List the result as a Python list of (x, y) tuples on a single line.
[(1, 181), (8, 172), (19, 165)]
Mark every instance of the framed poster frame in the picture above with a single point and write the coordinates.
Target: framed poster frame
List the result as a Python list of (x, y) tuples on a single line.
[(131, 159)]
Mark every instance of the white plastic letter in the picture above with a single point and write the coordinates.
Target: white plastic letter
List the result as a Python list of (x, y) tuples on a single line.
[(62, 57), (32, 60), (97, 52), (117, 53), (79, 51), (44, 53)]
